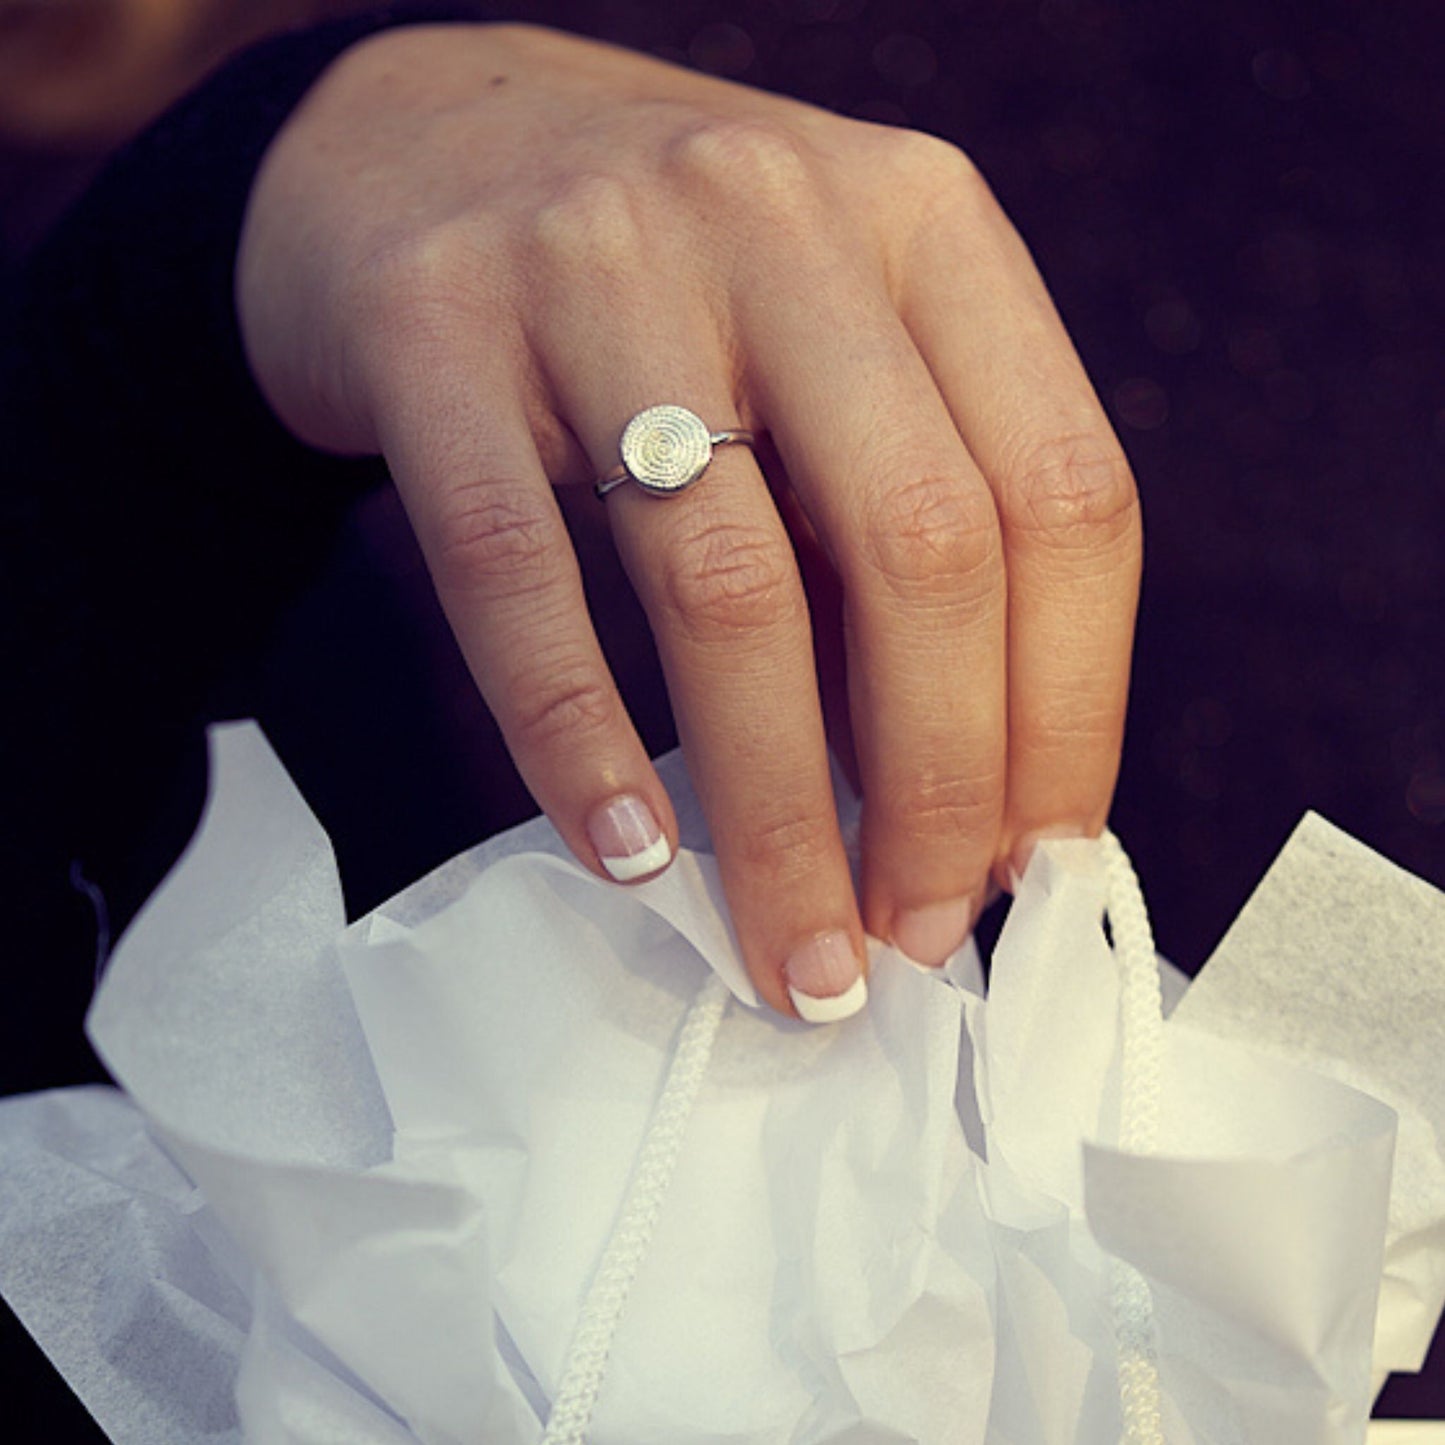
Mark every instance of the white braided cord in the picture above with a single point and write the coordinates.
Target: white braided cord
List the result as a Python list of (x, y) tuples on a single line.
[(1141, 1023), (586, 1363)]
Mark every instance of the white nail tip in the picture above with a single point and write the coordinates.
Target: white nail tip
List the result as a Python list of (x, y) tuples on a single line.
[(638, 865), (830, 1010)]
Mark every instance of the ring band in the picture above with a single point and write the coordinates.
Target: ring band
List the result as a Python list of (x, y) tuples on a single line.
[(666, 449)]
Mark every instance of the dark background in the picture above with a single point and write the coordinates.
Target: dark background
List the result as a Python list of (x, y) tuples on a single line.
[(1239, 208)]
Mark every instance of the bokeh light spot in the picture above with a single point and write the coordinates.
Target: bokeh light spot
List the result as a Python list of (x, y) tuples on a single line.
[(1172, 326), (722, 48), (1141, 403), (906, 60), (1281, 74)]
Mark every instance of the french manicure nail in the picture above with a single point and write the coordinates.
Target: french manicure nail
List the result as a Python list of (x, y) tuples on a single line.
[(628, 838), (824, 980), (932, 934)]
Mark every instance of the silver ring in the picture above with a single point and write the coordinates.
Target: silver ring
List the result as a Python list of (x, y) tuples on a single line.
[(665, 449)]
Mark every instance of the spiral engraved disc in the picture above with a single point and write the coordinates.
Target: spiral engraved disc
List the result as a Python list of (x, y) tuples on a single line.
[(666, 448)]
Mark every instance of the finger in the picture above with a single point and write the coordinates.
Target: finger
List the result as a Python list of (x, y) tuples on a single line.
[(715, 573), (910, 525), (1070, 514), (499, 555), (825, 610)]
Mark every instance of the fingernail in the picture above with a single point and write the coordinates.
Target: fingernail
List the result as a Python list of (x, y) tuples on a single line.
[(628, 838), (933, 933), (824, 980), (1023, 850)]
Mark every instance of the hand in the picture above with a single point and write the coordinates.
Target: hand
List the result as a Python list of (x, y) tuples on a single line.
[(481, 250)]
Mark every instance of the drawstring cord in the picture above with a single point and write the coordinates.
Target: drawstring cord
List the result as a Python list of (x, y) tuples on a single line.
[(1141, 1028), (586, 1360)]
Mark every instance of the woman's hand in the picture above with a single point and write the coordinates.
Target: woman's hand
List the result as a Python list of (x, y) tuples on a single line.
[(481, 250)]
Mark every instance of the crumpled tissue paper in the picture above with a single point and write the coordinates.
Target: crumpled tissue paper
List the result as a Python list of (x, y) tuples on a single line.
[(361, 1179)]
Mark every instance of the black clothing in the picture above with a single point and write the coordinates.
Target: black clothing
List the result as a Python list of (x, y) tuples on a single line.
[(156, 518)]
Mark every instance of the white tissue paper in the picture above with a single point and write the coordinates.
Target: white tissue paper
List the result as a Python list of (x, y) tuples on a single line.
[(363, 1179)]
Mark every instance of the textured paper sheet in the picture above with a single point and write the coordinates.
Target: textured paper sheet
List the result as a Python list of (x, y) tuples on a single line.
[(367, 1173)]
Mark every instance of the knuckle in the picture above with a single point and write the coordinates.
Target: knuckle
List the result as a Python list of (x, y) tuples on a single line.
[(405, 299), (560, 704), (1074, 491), (931, 536), (728, 580), (416, 278), (492, 539), (956, 807), (942, 183), (786, 845), (1071, 723), (934, 161), (736, 157), (590, 223)]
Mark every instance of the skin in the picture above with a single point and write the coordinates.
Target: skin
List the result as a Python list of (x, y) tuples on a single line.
[(479, 250)]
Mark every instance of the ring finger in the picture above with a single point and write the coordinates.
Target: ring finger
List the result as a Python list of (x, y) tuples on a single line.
[(716, 575)]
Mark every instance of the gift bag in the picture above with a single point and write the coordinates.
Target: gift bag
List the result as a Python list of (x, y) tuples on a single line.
[(518, 1158)]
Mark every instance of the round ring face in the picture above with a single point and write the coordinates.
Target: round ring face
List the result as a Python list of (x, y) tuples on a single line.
[(666, 448)]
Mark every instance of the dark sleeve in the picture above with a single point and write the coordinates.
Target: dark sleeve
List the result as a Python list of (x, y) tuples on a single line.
[(155, 519)]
